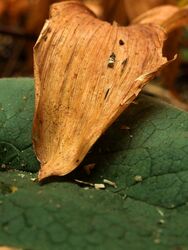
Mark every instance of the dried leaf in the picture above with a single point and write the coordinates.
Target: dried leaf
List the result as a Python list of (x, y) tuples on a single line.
[(134, 10), (78, 96), (33, 18), (2, 7), (124, 11), (172, 19), (169, 17), (95, 6), (115, 10), (128, 10)]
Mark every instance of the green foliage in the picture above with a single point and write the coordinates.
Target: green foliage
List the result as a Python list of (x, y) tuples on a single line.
[(16, 114), (148, 163)]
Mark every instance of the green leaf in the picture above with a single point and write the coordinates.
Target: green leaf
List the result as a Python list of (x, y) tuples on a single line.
[(148, 163), (16, 114)]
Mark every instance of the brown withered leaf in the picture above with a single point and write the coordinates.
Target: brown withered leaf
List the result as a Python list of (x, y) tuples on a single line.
[(172, 18), (87, 72), (169, 17), (124, 11), (26, 14), (95, 6), (134, 10), (2, 7), (114, 10)]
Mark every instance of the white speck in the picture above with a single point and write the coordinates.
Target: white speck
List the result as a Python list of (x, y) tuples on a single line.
[(138, 178), (33, 179), (160, 212), (99, 186), (161, 221)]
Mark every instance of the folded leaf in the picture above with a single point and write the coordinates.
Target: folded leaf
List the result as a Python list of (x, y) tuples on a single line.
[(169, 17), (124, 11), (134, 10), (172, 18), (86, 73)]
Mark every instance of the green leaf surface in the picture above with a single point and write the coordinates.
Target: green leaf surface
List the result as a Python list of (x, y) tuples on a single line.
[(145, 153), (16, 114)]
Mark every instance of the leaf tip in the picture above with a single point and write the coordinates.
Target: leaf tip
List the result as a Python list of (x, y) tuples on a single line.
[(53, 169)]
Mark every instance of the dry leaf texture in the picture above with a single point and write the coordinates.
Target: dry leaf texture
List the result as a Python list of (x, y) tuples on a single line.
[(134, 10), (172, 19), (124, 11), (87, 72), (169, 17)]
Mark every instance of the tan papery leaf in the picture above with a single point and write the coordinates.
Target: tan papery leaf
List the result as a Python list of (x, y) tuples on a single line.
[(87, 72), (169, 17), (172, 19), (134, 10), (124, 11)]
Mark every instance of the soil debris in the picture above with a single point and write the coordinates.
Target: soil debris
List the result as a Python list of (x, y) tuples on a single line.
[(110, 183), (97, 186), (138, 178)]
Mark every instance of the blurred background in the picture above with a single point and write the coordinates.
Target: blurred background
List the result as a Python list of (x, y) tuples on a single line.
[(21, 22)]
